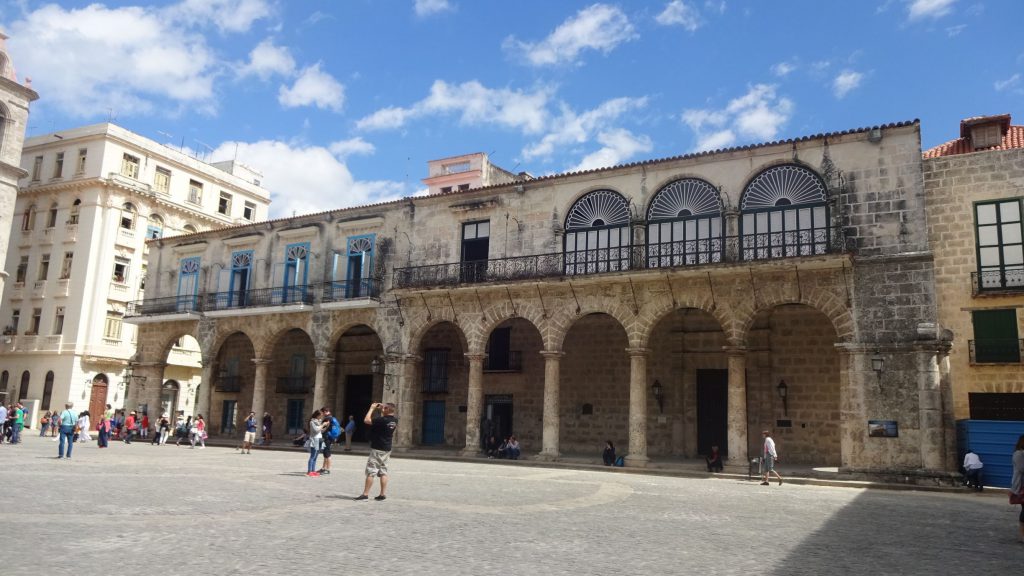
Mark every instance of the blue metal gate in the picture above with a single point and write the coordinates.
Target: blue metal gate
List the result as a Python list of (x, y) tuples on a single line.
[(992, 441), (433, 422)]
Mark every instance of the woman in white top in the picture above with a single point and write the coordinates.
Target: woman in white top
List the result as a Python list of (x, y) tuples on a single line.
[(83, 427), (315, 442)]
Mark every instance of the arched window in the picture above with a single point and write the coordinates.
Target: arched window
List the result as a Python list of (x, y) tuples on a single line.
[(5, 377), (48, 390), (156, 227), (597, 234), (73, 218), (189, 229), (23, 391), (784, 214), (128, 216), (684, 225)]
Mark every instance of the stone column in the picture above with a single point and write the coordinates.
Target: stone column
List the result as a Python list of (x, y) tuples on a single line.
[(474, 403), (201, 403), (737, 425), (408, 366), (259, 389), (150, 387), (948, 417), (637, 455), (933, 441), (320, 383), (552, 422), (850, 398), (732, 229)]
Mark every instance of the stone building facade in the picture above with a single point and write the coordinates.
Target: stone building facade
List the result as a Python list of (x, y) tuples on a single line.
[(975, 185), (666, 305)]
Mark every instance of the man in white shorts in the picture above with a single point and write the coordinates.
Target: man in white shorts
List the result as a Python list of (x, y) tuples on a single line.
[(250, 433), (382, 430)]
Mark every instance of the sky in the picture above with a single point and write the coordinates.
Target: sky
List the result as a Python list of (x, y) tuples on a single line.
[(343, 102)]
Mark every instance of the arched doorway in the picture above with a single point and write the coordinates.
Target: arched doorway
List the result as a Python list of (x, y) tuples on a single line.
[(233, 383), (353, 387), (512, 381), (443, 387), (169, 398), (98, 396)]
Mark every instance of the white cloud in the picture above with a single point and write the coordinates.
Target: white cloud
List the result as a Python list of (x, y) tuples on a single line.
[(930, 8), (599, 27), (617, 146), (679, 13), (88, 60), (953, 31), (266, 60), (715, 6), (431, 7), (227, 15), (474, 103), (846, 81), (313, 87), (350, 147), (783, 69), (757, 115), (573, 129), (304, 178), (1010, 82)]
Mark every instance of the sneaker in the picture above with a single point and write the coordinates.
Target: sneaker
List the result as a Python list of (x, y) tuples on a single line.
[(312, 474), (764, 483), (780, 481), (362, 497), (325, 472), (380, 498)]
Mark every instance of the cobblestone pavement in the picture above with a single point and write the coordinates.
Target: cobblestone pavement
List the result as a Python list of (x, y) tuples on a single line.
[(165, 510)]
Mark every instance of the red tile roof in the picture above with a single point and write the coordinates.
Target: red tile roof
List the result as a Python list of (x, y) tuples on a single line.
[(1013, 138)]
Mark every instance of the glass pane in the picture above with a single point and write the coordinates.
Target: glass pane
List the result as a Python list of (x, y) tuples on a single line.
[(624, 236), (483, 230), (791, 218), (762, 222), (776, 221), (716, 227), (1011, 233), (570, 241), (1013, 255), (1009, 211), (592, 239), (819, 217), (469, 232), (666, 232), (691, 230), (989, 256), (703, 228), (986, 214), (748, 224), (612, 239), (987, 236), (677, 231), (652, 234)]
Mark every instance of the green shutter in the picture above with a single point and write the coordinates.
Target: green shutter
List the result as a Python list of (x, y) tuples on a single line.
[(995, 336)]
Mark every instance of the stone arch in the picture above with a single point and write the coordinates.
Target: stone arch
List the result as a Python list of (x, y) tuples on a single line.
[(494, 315), (340, 331), (417, 333), (829, 304), (622, 313), (168, 343), (223, 336), (265, 347), (649, 318)]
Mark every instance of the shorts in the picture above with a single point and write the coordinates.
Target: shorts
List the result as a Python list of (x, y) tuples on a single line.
[(249, 437), (377, 463), (326, 450), (769, 464)]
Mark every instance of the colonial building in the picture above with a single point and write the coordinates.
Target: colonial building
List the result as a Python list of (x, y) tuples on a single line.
[(974, 185), (14, 101), (90, 197), (667, 305)]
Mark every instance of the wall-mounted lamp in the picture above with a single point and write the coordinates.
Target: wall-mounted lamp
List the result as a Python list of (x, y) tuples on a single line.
[(380, 369), (659, 395), (783, 390), (878, 364), (88, 386)]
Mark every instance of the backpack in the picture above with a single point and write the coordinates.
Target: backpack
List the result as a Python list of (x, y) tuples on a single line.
[(335, 430), (620, 461)]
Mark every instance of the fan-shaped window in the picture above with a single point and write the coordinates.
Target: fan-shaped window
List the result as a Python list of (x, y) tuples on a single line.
[(784, 214), (189, 229), (597, 234), (128, 216), (684, 225)]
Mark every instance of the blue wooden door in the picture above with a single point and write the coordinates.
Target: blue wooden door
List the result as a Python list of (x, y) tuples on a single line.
[(433, 422)]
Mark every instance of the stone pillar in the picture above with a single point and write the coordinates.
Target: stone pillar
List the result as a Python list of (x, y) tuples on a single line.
[(474, 403), (320, 383), (737, 425), (201, 403), (150, 387), (552, 422), (933, 441), (732, 229), (259, 390), (637, 455), (948, 417), (408, 366), (850, 399)]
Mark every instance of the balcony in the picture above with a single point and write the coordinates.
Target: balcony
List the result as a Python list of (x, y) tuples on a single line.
[(228, 384), (996, 351), (350, 290), (128, 182), (512, 361), (162, 306), (31, 343), (328, 292), (292, 385), (1004, 281), (259, 297), (664, 255)]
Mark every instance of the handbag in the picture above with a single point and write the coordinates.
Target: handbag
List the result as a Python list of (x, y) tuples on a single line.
[(1016, 498)]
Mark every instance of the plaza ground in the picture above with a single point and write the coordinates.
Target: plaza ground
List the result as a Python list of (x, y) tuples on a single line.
[(145, 509)]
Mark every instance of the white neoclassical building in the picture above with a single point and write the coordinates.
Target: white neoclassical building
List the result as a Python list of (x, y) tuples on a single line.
[(88, 201)]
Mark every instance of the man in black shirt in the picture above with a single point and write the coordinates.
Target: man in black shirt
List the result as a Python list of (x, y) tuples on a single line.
[(382, 430)]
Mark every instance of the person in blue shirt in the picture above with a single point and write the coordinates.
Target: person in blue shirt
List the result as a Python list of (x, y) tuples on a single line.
[(68, 419), (332, 431), (350, 429), (250, 433)]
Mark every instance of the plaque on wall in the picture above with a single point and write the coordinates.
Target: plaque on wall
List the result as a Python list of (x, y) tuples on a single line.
[(883, 428)]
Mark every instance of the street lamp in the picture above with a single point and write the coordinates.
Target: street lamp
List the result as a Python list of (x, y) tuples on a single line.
[(878, 364), (88, 386), (129, 378), (380, 368), (784, 394), (659, 395)]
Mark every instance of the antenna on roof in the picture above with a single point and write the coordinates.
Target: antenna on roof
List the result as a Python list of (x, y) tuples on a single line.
[(110, 115), (204, 145)]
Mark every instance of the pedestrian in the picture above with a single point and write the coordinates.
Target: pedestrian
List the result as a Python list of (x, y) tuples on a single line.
[(68, 420), (184, 430), (129, 427), (332, 431), (83, 427), (144, 426), (250, 433), (771, 456), (382, 431), (3, 423), (1017, 484), (972, 470), (350, 429), (103, 431), (54, 427), (165, 429), (268, 424), (608, 455), (314, 442), (199, 431), (44, 423), (19, 423)]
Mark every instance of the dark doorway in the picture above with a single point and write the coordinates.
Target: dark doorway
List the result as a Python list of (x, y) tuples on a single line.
[(497, 416), (358, 397), (475, 250), (433, 422), (712, 410)]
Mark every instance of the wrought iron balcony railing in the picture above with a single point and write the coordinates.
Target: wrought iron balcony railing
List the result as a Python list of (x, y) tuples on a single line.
[(350, 290), (367, 288), (996, 351), (996, 281), (160, 306), (259, 297), (513, 362), (292, 385), (698, 252)]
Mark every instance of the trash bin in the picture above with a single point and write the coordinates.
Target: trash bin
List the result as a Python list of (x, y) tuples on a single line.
[(755, 469)]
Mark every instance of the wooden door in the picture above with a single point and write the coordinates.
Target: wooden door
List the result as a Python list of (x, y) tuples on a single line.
[(97, 402)]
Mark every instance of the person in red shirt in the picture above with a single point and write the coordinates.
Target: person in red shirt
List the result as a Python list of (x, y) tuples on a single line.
[(129, 428), (144, 428)]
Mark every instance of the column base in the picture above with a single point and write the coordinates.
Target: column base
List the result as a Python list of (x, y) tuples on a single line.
[(547, 456), (469, 452), (636, 461)]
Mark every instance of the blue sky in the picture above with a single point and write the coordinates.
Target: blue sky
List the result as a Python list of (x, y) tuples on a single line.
[(343, 102)]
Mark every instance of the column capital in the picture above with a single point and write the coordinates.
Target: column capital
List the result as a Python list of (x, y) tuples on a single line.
[(475, 356), (324, 361), (409, 359), (735, 350), (261, 361), (633, 352), (552, 353)]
